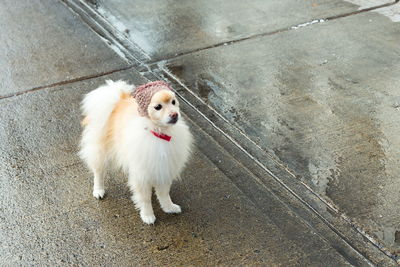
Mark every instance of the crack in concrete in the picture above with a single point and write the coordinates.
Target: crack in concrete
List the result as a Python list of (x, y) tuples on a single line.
[(259, 35), (83, 78), (362, 10)]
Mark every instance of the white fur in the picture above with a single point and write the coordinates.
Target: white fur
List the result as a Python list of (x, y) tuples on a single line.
[(150, 162)]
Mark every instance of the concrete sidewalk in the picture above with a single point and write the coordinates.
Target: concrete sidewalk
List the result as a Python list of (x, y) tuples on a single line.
[(308, 88), (235, 212), (50, 218)]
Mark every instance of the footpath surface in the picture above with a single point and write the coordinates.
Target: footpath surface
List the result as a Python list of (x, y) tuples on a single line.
[(235, 212), (310, 86)]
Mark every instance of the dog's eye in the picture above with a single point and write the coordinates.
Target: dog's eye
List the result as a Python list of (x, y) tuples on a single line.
[(158, 107), (173, 102)]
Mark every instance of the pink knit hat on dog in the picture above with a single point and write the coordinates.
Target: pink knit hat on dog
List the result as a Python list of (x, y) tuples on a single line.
[(145, 92)]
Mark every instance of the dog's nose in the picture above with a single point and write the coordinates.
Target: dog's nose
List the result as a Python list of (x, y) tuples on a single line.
[(174, 117)]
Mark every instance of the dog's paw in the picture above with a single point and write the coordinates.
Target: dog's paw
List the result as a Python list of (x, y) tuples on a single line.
[(148, 218), (172, 209), (99, 193)]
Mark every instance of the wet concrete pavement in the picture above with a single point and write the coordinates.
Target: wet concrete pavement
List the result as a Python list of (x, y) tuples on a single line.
[(49, 216), (313, 84), (247, 215), (324, 103), (167, 28)]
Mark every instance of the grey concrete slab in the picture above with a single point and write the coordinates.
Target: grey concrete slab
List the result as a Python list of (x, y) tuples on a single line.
[(323, 100), (166, 28), (48, 216), (42, 42)]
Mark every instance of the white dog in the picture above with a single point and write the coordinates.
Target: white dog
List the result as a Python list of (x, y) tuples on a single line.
[(141, 131)]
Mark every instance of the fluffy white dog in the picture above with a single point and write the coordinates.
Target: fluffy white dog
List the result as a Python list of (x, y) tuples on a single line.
[(141, 131)]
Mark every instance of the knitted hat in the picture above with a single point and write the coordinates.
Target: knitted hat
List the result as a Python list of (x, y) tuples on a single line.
[(145, 92)]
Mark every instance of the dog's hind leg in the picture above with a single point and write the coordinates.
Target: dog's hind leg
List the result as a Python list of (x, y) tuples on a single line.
[(162, 191), (96, 162)]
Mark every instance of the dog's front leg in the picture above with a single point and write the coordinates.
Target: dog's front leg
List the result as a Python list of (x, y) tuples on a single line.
[(142, 199), (98, 185), (162, 191), (97, 163)]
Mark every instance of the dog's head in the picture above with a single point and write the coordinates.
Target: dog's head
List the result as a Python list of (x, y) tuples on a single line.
[(163, 109)]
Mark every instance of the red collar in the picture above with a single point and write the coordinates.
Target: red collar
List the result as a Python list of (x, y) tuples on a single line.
[(162, 136)]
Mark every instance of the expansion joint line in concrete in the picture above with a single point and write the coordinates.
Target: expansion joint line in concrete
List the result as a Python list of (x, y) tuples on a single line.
[(259, 35), (83, 78), (134, 54), (362, 10)]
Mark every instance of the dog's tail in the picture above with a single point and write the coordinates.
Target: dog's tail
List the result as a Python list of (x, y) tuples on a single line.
[(97, 107), (98, 104)]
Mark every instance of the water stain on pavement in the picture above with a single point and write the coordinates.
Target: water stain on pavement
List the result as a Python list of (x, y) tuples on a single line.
[(326, 108)]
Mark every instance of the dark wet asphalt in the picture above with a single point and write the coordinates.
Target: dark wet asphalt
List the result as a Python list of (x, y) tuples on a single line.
[(322, 98)]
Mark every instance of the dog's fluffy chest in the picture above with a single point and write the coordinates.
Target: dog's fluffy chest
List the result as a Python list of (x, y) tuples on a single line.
[(151, 157)]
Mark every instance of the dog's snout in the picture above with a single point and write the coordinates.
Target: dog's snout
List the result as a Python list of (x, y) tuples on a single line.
[(173, 117)]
